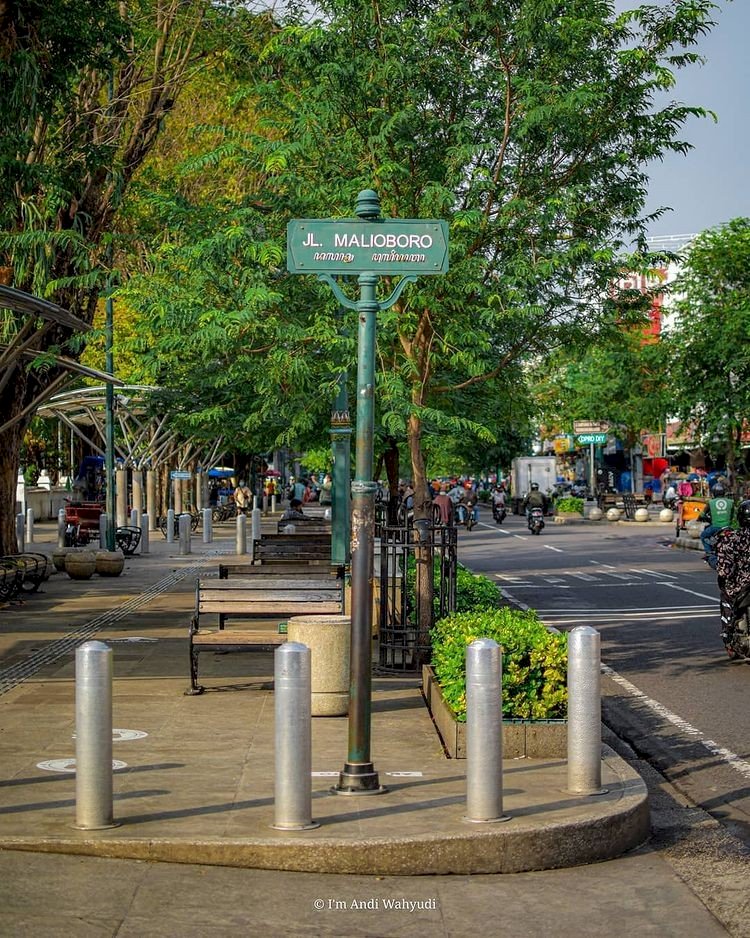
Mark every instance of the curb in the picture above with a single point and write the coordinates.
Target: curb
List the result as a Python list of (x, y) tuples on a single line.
[(613, 824)]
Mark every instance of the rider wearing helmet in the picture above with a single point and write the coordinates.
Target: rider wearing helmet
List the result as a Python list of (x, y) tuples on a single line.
[(719, 513), (733, 552), (534, 499)]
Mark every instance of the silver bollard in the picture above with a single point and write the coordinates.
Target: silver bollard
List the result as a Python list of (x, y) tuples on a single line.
[(273, 504), (584, 712), (184, 524), (255, 525), (94, 736), (208, 528), (293, 750), (255, 502), (145, 528), (134, 517), (265, 504), (20, 532), (103, 525), (30, 525), (241, 539), (170, 526), (484, 732), (61, 528)]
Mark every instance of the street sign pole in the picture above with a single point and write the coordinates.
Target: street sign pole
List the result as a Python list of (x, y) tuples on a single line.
[(369, 246)]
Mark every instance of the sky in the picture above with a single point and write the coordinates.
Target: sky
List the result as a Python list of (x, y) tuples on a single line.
[(712, 183)]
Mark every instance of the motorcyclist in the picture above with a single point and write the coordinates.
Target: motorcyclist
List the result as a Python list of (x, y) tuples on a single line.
[(468, 503), (719, 513), (498, 501), (732, 553), (534, 499)]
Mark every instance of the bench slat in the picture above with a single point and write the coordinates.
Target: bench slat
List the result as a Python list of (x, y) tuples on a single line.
[(289, 608), (273, 586), (228, 637)]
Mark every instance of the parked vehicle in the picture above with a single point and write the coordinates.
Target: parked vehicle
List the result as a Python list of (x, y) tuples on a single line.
[(535, 520), (526, 470)]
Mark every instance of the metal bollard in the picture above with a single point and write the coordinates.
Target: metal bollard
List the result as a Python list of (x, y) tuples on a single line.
[(184, 525), (584, 712), (293, 749), (94, 736), (255, 525), (255, 502), (30, 525), (134, 517), (208, 527), (103, 525), (484, 732), (170, 526), (145, 527), (241, 539), (265, 504), (20, 532), (273, 504), (61, 528)]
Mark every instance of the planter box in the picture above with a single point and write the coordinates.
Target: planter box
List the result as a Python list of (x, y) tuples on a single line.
[(533, 740), (568, 517)]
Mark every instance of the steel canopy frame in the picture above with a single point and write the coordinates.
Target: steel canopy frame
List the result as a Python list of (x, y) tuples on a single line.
[(145, 438)]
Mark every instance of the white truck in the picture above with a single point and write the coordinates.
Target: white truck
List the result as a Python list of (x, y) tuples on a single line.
[(527, 469)]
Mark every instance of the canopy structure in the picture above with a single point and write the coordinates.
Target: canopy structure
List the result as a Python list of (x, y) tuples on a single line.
[(143, 439)]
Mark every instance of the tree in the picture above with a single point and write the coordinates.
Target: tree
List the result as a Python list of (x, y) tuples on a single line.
[(710, 339), (85, 88)]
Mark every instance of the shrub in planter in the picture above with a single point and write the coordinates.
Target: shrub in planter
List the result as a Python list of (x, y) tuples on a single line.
[(534, 661), (473, 590), (569, 505)]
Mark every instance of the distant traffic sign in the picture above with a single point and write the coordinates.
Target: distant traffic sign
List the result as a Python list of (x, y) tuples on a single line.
[(352, 246), (590, 426), (180, 474), (595, 439)]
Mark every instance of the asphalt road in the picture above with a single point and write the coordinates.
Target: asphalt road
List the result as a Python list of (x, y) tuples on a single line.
[(668, 686)]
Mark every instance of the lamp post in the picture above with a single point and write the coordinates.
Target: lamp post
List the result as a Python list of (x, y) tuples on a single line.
[(109, 455)]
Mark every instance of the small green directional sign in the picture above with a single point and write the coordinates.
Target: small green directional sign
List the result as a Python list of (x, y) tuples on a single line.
[(352, 246), (587, 439)]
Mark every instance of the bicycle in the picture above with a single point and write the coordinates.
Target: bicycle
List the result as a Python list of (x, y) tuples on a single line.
[(195, 520)]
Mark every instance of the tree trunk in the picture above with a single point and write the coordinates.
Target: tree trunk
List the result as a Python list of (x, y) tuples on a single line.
[(10, 448), (423, 554)]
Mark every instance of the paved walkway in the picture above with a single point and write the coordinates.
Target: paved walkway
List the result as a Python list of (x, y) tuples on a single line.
[(197, 788)]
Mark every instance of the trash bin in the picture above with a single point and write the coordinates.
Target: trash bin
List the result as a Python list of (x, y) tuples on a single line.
[(329, 639)]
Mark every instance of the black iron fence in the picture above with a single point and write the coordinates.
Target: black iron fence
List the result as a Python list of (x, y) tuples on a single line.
[(406, 613)]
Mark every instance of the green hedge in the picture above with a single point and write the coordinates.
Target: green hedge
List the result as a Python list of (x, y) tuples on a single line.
[(569, 504), (473, 590), (534, 661)]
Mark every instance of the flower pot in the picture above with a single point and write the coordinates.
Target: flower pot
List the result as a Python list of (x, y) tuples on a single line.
[(80, 564), (58, 558), (109, 562)]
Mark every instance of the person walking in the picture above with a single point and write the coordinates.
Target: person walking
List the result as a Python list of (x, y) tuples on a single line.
[(243, 498)]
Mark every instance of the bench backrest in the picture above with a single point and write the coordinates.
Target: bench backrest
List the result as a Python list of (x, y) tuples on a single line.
[(271, 597), (279, 568), (293, 546)]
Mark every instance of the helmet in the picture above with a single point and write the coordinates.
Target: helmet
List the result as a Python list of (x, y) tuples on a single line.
[(534, 486), (743, 514), (719, 490)]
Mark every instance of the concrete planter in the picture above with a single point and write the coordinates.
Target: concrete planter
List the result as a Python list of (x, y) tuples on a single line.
[(58, 558), (532, 740), (568, 517), (80, 564), (109, 562), (329, 639)]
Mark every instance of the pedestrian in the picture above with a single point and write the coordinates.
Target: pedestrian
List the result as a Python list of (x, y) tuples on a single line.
[(444, 504), (243, 498), (325, 489)]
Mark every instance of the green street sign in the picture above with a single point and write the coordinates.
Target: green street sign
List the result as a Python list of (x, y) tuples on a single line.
[(586, 439), (352, 246)]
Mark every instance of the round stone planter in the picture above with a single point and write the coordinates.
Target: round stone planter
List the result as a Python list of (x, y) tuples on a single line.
[(596, 514), (694, 529), (666, 515), (641, 514), (328, 638), (109, 562), (80, 564), (613, 514), (58, 558)]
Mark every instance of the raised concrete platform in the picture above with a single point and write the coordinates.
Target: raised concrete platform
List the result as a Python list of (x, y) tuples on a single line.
[(198, 782)]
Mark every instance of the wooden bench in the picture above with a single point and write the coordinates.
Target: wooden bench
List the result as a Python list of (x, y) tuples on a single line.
[(270, 598), (305, 525), (278, 569), (293, 548)]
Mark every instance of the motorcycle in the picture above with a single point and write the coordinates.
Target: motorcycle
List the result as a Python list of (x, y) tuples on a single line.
[(499, 513), (465, 516), (535, 520), (735, 625)]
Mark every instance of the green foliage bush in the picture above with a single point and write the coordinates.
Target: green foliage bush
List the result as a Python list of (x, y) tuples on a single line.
[(534, 661), (483, 495), (475, 592), (569, 504)]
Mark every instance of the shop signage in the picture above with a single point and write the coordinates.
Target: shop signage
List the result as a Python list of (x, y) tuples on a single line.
[(351, 246), (591, 439), (590, 426)]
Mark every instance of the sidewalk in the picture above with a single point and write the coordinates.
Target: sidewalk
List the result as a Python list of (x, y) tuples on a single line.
[(197, 784)]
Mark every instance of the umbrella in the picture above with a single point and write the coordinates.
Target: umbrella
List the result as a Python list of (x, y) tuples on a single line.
[(220, 472), (272, 472)]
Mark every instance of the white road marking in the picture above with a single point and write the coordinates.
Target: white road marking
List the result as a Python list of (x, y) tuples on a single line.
[(583, 576), (624, 617), (492, 527), (684, 589), (558, 549), (659, 576), (719, 752)]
